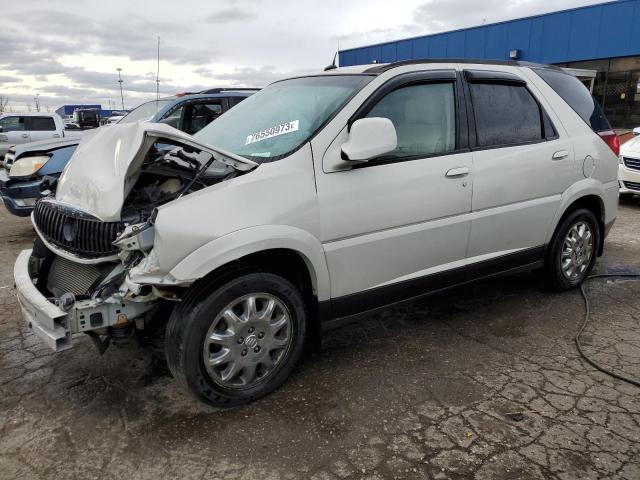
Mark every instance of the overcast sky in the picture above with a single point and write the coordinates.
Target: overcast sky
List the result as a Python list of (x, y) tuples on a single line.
[(67, 51)]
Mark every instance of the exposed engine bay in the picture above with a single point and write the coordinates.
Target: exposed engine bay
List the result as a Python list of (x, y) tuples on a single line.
[(81, 262), (168, 173)]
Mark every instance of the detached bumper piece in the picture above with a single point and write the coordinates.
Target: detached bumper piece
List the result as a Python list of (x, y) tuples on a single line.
[(45, 319)]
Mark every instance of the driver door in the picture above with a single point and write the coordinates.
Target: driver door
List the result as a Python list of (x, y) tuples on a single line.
[(392, 224)]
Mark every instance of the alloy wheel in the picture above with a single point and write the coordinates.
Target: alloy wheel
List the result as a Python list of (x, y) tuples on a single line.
[(577, 250), (247, 340)]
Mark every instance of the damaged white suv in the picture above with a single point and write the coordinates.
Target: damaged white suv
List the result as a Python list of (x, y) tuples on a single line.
[(314, 201)]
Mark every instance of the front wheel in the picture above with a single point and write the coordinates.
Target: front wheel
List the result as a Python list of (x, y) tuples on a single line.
[(572, 252), (238, 342)]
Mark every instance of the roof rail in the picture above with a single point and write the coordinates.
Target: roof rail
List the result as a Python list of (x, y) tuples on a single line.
[(387, 66)]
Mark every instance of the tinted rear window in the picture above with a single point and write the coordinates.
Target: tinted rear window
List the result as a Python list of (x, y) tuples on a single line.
[(40, 124), (505, 115), (577, 96)]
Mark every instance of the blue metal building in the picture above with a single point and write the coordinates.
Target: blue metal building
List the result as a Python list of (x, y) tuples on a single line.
[(67, 110), (603, 37)]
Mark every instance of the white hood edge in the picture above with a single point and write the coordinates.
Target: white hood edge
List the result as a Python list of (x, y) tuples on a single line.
[(99, 175), (631, 147)]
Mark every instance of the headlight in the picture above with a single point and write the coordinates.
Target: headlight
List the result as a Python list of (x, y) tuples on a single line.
[(27, 166)]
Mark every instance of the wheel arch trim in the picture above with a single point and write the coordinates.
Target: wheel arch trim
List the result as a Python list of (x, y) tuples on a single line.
[(587, 188), (241, 243)]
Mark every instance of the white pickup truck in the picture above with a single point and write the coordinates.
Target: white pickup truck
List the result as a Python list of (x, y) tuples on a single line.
[(18, 128)]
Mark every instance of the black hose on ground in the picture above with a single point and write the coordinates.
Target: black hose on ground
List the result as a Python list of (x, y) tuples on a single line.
[(587, 316)]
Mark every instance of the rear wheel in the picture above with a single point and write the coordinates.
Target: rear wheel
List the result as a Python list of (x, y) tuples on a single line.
[(573, 250), (238, 342)]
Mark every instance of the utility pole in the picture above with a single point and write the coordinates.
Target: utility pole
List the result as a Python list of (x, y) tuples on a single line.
[(120, 82), (36, 99), (158, 73)]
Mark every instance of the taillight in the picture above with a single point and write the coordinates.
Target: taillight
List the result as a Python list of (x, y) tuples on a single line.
[(611, 139)]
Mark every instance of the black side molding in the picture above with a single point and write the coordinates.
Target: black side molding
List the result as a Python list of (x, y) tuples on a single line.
[(344, 309)]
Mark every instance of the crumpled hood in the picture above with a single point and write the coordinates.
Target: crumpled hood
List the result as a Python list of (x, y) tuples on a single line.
[(105, 166)]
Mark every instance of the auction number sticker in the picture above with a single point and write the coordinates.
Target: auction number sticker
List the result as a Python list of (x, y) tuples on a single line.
[(281, 129)]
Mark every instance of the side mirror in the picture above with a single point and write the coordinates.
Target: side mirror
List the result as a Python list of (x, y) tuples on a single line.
[(636, 131), (369, 138)]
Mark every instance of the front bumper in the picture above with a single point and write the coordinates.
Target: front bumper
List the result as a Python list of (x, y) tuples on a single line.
[(19, 196), (55, 326), (629, 180)]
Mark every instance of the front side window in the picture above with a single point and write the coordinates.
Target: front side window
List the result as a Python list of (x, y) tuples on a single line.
[(174, 119), (424, 117), (12, 124), (40, 124), (280, 118), (505, 115)]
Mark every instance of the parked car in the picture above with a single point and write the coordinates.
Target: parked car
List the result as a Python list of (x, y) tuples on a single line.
[(27, 169), (317, 200), (19, 128), (86, 117), (629, 169)]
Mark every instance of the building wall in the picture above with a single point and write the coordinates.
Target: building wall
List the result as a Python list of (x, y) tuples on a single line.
[(599, 31), (603, 37)]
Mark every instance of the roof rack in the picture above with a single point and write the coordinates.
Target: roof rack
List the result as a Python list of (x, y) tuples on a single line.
[(515, 63), (230, 89)]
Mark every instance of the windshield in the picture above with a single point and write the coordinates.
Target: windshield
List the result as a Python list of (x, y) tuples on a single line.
[(280, 118), (146, 110)]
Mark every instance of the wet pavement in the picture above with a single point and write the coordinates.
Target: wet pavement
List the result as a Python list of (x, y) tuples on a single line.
[(480, 382)]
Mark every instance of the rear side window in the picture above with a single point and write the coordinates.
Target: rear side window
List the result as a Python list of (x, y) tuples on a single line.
[(506, 115), (424, 117), (577, 96), (40, 124)]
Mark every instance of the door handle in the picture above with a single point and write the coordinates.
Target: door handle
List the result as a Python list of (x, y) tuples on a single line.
[(457, 172), (25, 135), (560, 154), (56, 135)]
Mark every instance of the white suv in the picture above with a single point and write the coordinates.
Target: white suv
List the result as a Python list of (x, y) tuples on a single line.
[(314, 201)]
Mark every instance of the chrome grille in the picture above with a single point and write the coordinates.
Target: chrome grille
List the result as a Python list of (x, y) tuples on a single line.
[(66, 276), (632, 163), (75, 231), (632, 185)]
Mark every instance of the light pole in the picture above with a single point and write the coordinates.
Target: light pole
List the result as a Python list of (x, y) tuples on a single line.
[(120, 82)]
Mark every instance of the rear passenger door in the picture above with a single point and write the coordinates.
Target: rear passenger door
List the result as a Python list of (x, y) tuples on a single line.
[(41, 128), (522, 162)]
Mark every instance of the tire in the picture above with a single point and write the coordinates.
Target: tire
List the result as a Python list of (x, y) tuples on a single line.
[(558, 271), (228, 349)]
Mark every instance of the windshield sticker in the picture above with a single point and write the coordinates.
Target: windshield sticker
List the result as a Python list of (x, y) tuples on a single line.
[(281, 129)]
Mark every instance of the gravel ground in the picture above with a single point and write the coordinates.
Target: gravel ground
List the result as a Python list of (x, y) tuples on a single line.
[(481, 382)]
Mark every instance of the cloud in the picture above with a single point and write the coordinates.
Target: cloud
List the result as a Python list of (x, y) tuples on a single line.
[(255, 77), (9, 79), (232, 14)]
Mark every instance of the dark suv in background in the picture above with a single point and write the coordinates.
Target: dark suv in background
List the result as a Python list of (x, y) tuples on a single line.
[(187, 112)]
